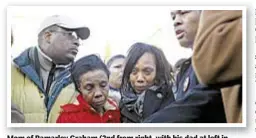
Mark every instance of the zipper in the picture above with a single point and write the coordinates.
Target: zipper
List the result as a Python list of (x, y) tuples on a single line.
[(54, 85)]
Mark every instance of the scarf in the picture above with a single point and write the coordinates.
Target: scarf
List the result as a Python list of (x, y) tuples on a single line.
[(134, 102)]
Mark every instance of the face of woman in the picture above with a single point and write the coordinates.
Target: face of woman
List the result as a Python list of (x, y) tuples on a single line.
[(94, 88), (144, 72)]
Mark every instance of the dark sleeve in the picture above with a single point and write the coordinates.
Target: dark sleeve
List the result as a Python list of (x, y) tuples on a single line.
[(126, 115), (200, 104), (169, 98)]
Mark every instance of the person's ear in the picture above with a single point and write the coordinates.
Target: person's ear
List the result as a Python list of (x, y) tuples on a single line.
[(79, 88), (47, 37)]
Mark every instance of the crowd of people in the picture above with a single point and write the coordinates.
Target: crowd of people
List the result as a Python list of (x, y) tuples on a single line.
[(142, 87)]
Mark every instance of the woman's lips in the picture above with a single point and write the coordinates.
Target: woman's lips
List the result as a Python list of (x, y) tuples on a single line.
[(97, 103), (140, 88)]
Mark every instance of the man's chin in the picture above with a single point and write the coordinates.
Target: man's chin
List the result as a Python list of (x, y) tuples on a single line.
[(184, 44), (71, 56), (69, 59), (65, 62)]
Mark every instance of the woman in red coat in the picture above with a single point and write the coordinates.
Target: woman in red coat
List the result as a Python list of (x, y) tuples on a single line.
[(90, 76)]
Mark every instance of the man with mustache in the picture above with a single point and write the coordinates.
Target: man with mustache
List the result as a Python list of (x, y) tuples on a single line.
[(194, 102), (41, 76)]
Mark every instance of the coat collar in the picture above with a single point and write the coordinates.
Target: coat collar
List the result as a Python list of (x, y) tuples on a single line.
[(46, 61), (81, 105), (25, 62)]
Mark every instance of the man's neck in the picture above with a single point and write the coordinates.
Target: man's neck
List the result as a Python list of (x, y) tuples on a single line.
[(49, 61), (45, 61), (189, 47)]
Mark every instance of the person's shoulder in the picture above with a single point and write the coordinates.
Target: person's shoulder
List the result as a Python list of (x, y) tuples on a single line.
[(68, 113), (71, 108), (16, 72), (111, 104), (24, 58), (14, 67), (69, 90)]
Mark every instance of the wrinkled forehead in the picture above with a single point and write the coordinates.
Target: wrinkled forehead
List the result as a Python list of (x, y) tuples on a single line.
[(96, 74)]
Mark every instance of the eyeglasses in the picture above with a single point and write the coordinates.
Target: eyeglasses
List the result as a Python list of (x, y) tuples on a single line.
[(71, 34)]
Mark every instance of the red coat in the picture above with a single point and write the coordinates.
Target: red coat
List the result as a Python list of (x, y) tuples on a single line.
[(84, 113)]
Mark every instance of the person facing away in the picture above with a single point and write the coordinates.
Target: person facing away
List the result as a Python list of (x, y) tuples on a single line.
[(16, 115), (40, 75), (194, 102), (115, 66), (219, 40), (93, 105), (145, 87)]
